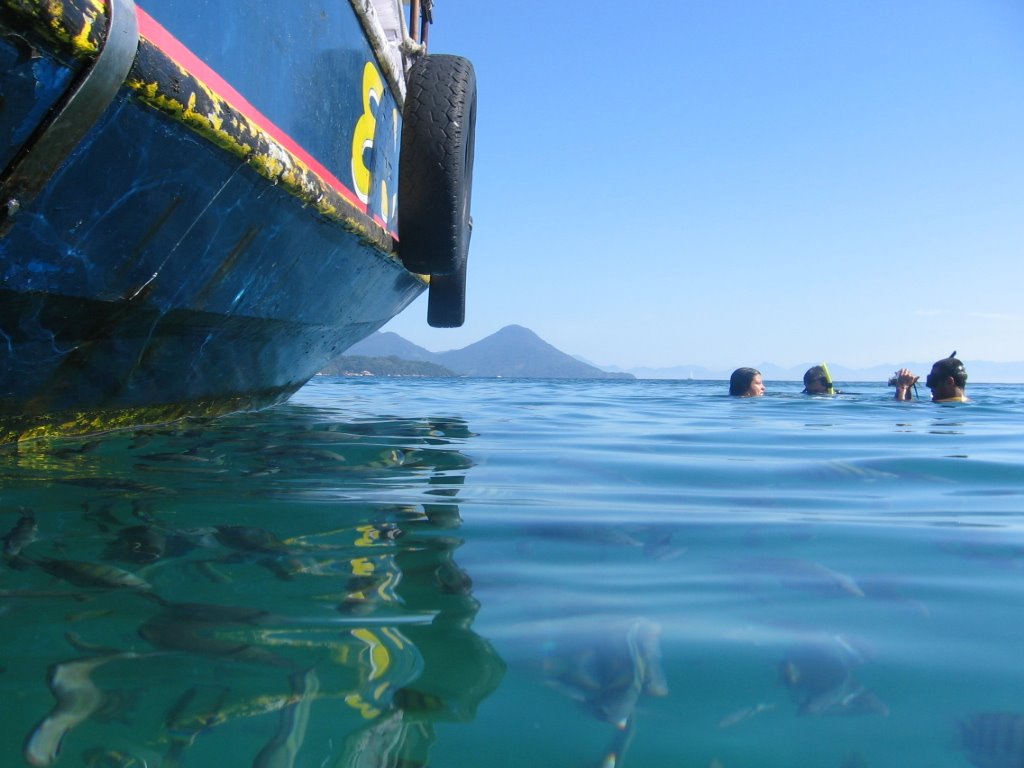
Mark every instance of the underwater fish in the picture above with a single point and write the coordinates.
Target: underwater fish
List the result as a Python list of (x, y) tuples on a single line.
[(146, 544), (101, 515), (21, 535), (75, 449), (890, 590), (77, 698), (210, 613), (183, 469), (314, 456), (209, 571), (80, 644), (86, 574), (609, 672), (101, 757), (805, 575), (191, 456), (202, 708), (250, 539), (287, 567), (999, 554), (993, 739), (820, 678), (138, 544), (196, 628), (583, 533), (41, 593), (616, 751), (143, 511), (195, 711), (659, 546), (850, 698), (283, 748), (112, 484), (743, 714)]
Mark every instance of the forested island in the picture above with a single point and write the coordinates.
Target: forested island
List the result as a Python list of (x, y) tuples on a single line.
[(360, 365)]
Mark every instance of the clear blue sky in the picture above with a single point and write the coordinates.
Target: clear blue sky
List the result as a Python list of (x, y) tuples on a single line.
[(725, 182)]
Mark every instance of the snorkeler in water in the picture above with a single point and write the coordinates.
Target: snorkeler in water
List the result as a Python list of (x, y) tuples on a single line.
[(947, 381), (818, 381), (746, 382)]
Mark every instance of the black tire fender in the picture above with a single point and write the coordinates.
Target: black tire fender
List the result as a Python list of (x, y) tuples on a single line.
[(446, 300), (435, 168)]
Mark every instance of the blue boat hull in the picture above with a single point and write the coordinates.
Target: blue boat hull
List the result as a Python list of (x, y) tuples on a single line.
[(215, 237)]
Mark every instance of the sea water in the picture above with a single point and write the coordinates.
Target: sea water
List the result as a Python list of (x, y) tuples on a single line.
[(414, 572)]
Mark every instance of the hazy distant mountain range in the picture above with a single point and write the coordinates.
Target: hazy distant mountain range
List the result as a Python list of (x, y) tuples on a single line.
[(517, 352), (512, 352)]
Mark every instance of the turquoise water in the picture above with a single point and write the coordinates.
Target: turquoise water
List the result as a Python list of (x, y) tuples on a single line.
[(504, 573)]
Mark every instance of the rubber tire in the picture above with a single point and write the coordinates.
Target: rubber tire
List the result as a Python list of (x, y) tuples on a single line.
[(446, 300), (435, 168)]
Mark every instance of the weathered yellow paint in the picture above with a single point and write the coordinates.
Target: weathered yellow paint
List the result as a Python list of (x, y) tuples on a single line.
[(93, 423), (55, 9), (211, 127), (83, 40), (29, 428), (228, 129), (148, 90), (77, 27), (79, 24)]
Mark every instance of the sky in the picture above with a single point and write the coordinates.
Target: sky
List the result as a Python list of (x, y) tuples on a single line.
[(726, 182)]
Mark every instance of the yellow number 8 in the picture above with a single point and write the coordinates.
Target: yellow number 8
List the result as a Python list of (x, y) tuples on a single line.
[(366, 127)]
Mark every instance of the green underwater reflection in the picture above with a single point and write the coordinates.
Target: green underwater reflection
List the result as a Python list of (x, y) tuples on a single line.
[(274, 589)]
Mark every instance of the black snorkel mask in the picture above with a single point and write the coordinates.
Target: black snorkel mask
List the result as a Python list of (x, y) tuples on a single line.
[(948, 368)]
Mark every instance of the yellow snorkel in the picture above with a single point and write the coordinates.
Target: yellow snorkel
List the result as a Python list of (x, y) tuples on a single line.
[(828, 376)]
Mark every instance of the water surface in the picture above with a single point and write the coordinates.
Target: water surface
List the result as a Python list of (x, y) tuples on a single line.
[(503, 573)]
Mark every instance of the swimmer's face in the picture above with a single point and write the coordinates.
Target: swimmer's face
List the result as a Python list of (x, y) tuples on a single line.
[(941, 386), (756, 387), (817, 386)]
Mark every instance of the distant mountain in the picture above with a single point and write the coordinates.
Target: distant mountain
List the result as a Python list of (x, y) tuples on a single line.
[(512, 352), (389, 345), (517, 352)]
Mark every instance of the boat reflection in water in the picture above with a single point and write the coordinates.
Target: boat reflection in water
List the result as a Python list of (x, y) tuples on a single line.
[(273, 589)]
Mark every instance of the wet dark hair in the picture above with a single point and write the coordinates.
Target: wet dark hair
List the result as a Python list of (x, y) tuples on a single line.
[(948, 367), (814, 373), (739, 382)]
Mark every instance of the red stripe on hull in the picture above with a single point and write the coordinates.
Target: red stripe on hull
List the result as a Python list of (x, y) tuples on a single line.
[(151, 29)]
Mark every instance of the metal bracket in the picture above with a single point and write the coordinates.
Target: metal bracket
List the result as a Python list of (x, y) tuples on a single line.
[(85, 103)]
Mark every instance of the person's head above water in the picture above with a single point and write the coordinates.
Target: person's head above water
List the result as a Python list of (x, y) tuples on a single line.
[(947, 380), (818, 381), (746, 382)]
